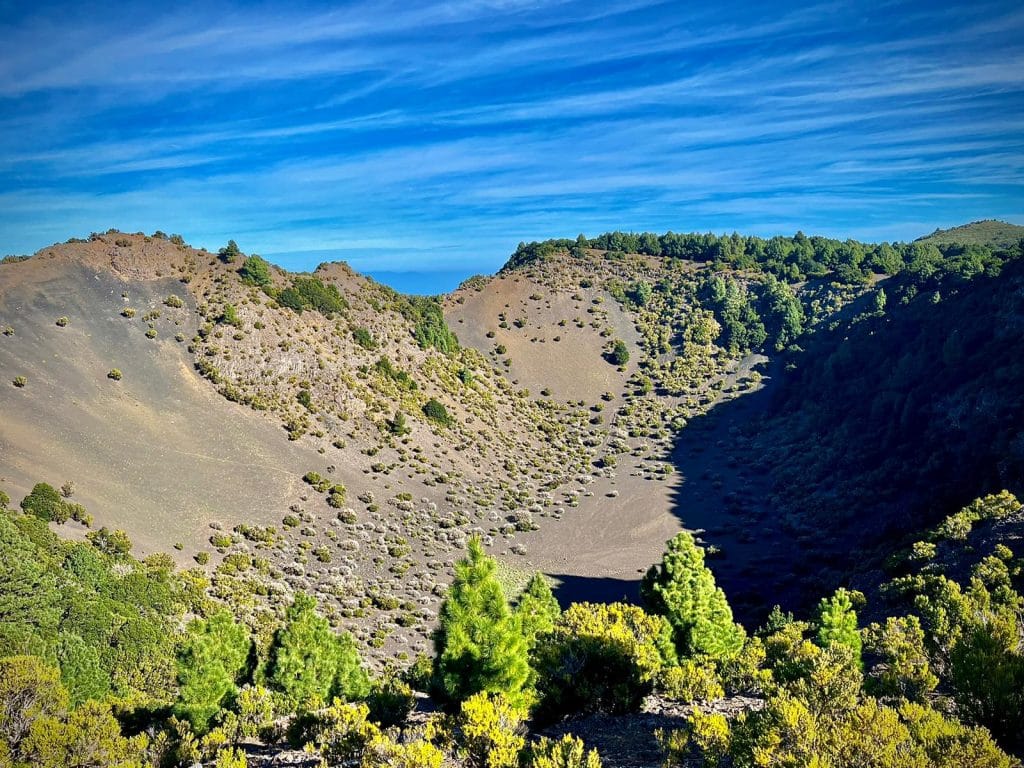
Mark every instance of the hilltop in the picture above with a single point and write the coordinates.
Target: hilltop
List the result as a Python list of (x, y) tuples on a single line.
[(990, 232)]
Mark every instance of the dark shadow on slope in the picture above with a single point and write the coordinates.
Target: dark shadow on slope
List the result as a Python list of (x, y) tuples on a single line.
[(577, 589), (882, 427)]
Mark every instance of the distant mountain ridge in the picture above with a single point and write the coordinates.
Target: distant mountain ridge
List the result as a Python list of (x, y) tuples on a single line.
[(991, 232)]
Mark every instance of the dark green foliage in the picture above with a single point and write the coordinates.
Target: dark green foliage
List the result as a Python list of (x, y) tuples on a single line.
[(600, 658), (305, 399), (790, 259), (683, 589), (230, 252), (920, 393), (45, 502), (536, 610), (291, 299), (109, 624), (363, 338), (436, 412), (619, 353), (29, 600), (783, 314), (255, 271), (312, 293), (387, 369), (211, 660), (527, 253), (429, 327), (742, 327), (478, 644), (310, 663)]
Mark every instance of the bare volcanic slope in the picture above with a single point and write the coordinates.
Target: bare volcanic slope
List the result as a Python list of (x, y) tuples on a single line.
[(315, 432), (551, 336), (552, 320), (157, 452)]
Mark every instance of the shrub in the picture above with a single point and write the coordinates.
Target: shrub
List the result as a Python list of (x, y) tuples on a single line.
[(44, 502), (391, 700), (567, 752), (151, 333), (255, 271), (436, 412), (691, 681), (174, 302), (490, 731), (619, 353), (901, 669), (230, 252), (363, 338), (19, 381), (115, 374), (62, 322), (110, 542), (601, 658), (400, 377), (337, 495), (128, 312), (312, 293), (320, 483)]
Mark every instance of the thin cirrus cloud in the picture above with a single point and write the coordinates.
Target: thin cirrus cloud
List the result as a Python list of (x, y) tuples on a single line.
[(431, 137)]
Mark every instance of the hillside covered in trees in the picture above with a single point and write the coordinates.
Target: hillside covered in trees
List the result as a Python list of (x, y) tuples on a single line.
[(96, 681)]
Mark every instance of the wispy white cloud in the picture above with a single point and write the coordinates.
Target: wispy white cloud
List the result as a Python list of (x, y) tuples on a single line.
[(466, 126)]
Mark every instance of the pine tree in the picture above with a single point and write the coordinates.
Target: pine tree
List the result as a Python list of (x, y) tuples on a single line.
[(479, 644), (537, 610), (683, 590), (837, 622), (210, 662), (311, 664), (81, 669)]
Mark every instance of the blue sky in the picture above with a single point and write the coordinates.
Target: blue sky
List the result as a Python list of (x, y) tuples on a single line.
[(422, 141)]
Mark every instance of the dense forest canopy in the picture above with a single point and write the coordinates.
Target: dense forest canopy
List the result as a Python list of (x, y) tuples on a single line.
[(792, 259)]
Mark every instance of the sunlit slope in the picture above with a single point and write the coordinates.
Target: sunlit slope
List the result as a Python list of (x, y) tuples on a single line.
[(158, 452)]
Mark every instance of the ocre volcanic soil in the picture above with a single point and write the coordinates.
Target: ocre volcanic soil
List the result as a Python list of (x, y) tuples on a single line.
[(161, 442)]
